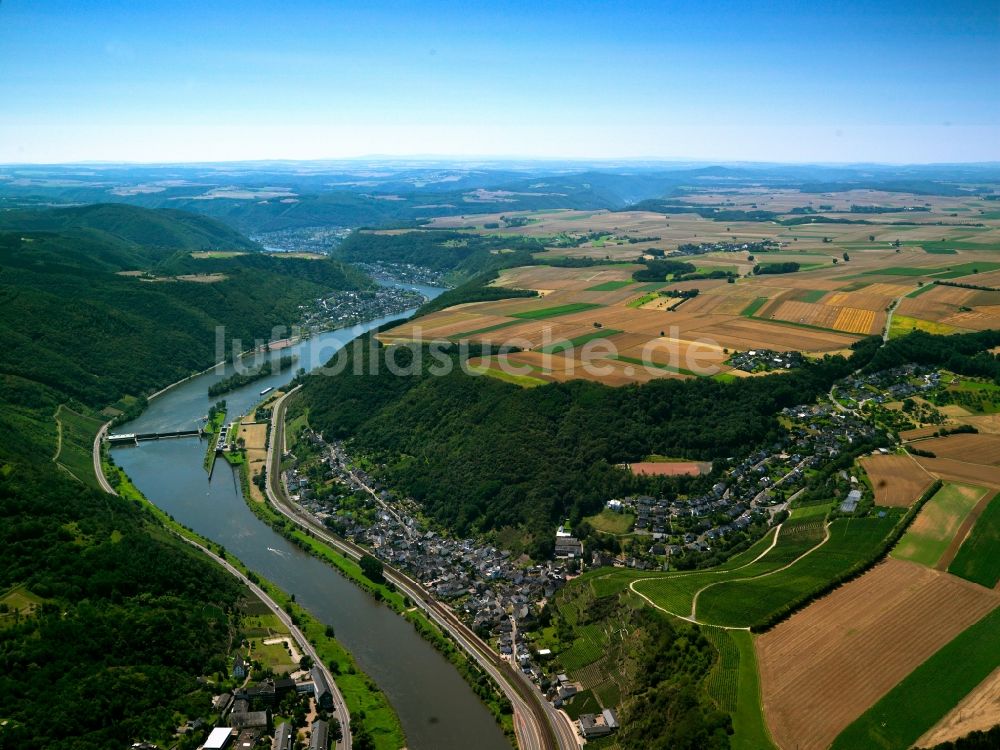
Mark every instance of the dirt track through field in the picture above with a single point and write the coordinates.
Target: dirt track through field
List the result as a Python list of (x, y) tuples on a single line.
[(826, 665)]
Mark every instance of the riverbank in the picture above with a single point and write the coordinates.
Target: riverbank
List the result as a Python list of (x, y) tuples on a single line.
[(480, 682), (369, 710)]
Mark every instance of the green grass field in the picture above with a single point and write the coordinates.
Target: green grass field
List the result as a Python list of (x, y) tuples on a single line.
[(20, 603), (487, 329), (274, 656), (932, 250), (941, 516), (742, 603), (735, 686), (561, 346), (967, 269), (552, 312), (676, 593), (902, 325), (76, 441), (813, 295), (525, 381), (642, 300), (920, 290), (610, 522), (750, 310), (978, 559), (608, 286), (900, 271), (929, 692)]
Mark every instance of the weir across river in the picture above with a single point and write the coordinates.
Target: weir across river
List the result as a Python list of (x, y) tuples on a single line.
[(135, 437)]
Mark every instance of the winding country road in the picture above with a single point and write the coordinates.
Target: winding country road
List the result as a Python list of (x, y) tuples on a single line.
[(537, 724), (339, 706)]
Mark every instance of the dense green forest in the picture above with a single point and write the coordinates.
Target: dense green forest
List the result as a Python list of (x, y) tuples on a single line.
[(110, 623), (107, 621), (117, 224), (70, 321), (966, 354), (481, 454), (667, 708), (461, 254)]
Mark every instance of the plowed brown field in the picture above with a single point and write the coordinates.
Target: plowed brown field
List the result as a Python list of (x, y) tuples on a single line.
[(962, 471), (897, 480), (826, 665)]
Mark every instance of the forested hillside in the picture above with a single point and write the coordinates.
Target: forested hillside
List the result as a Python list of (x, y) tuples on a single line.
[(482, 454), (71, 322), (464, 255), (106, 621), (161, 229)]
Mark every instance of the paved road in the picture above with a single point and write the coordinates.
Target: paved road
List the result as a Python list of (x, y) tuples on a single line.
[(339, 706), (537, 724)]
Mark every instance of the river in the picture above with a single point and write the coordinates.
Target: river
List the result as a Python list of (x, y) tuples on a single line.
[(436, 707)]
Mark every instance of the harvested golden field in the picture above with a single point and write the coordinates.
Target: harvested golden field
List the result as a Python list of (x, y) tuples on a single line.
[(805, 312), (985, 423), (979, 710), (970, 448), (961, 471), (978, 319), (896, 478), (254, 436), (854, 320), (824, 308), (861, 640)]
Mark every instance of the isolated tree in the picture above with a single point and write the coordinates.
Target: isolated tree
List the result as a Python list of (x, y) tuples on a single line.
[(372, 568), (846, 257)]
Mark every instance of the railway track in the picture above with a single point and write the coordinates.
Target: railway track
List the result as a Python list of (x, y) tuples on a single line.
[(537, 725)]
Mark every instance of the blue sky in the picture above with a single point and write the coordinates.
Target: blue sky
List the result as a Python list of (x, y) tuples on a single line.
[(214, 80)]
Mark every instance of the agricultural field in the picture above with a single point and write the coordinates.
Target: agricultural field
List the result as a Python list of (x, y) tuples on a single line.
[(932, 690), (978, 558), (938, 522), (743, 603), (803, 558), (824, 307), (958, 470), (896, 479), (735, 687), (969, 447), (977, 711), (855, 638)]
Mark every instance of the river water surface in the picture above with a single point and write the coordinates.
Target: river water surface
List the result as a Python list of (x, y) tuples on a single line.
[(436, 707)]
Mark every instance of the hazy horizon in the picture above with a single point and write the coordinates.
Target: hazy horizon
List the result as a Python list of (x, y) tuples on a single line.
[(119, 82)]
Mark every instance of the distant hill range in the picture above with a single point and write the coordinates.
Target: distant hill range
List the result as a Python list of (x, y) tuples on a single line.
[(257, 197)]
